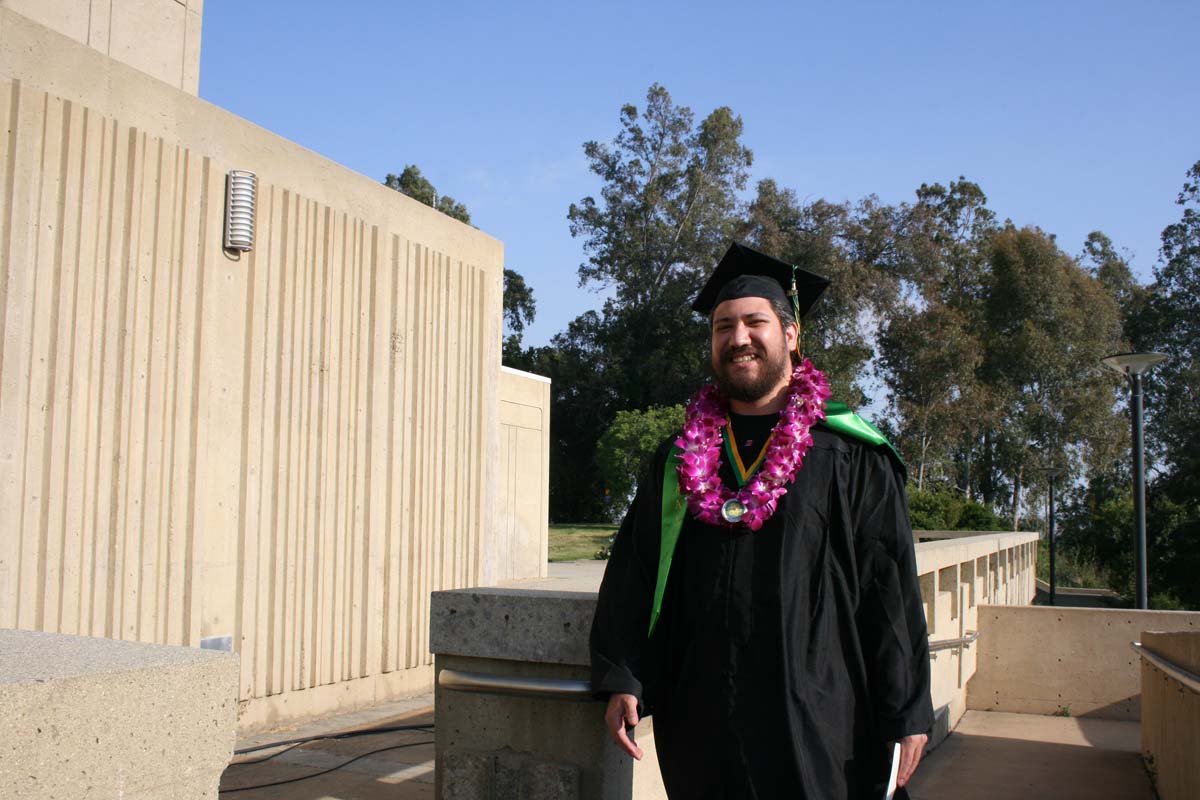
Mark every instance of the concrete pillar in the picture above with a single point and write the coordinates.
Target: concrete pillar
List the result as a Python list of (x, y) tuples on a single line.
[(493, 746)]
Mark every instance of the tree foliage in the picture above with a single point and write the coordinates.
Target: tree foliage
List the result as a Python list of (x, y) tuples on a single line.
[(1048, 325), (856, 247), (667, 207), (984, 336), (1173, 394), (520, 308), (947, 510), (625, 451), (412, 183)]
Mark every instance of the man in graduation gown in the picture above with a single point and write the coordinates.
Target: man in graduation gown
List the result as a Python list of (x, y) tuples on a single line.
[(779, 644)]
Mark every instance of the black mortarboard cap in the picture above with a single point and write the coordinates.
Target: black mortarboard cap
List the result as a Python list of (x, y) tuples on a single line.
[(741, 272)]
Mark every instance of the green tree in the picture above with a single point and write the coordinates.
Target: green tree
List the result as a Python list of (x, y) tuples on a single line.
[(947, 510), (520, 307), (929, 356), (667, 206), (625, 451), (855, 246), (1101, 259), (1048, 324), (412, 183), (1173, 390), (948, 234), (667, 209), (1172, 326)]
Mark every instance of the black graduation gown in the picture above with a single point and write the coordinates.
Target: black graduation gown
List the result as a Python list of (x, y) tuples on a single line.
[(786, 658)]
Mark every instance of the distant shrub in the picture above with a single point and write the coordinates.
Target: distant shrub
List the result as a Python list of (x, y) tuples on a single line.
[(946, 510)]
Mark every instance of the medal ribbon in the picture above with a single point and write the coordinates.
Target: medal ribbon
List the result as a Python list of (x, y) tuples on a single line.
[(740, 472)]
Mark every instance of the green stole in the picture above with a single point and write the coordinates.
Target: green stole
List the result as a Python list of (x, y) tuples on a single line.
[(838, 418)]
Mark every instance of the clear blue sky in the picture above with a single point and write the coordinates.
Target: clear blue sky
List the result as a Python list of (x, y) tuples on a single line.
[(1071, 116)]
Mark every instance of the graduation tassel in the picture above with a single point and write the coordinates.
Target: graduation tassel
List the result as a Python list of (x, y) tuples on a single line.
[(794, 293)]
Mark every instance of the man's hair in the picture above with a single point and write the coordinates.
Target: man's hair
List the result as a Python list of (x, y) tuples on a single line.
[(783, 310)]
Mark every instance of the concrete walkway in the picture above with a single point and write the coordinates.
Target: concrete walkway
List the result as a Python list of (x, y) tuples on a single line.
[(1000, 755), (989, 755), (402, 769)]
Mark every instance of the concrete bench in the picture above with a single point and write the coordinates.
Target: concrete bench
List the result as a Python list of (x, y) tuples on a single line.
[(84, 717)]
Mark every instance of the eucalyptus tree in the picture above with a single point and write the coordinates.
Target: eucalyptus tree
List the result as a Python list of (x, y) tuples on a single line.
[(667, 206), (1048, 323), (932, 342), (856, 247), (1173, 394)]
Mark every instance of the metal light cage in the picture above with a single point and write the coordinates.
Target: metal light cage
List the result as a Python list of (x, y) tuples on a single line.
[(241, 190)]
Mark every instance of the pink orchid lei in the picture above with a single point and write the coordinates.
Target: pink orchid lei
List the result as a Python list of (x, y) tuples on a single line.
[(700, 446)]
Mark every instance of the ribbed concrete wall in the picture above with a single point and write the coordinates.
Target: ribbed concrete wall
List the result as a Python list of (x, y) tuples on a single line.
[(158, 37), (292, 448)]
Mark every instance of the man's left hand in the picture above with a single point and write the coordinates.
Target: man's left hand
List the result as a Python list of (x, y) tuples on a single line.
[(911, 749)]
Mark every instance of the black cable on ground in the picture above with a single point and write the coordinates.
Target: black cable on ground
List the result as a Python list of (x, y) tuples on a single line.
[(286, 749), (322, 772), (344, 735)]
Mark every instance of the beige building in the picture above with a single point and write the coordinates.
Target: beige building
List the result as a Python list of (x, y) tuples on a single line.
[(281, 451)]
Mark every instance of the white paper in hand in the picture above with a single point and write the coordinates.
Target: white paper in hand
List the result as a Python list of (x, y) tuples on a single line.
[(891, 785)]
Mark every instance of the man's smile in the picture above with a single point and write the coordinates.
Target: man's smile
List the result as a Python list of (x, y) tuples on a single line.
[(742, 357)]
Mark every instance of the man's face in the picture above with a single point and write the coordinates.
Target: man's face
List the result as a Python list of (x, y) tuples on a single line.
[(750, 348)]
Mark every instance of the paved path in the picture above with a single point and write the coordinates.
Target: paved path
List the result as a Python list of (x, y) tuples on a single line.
[(1000, 755), (403, 770)]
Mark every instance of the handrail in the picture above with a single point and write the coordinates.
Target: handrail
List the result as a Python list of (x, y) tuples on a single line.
[(566, 689), (547, 688), (1187, 678), (950, 644)]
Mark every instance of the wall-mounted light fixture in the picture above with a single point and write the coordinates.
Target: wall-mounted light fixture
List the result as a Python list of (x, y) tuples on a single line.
[(241, 189)]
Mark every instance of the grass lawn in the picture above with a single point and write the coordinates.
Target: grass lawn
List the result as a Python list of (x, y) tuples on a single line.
[(578, 542)]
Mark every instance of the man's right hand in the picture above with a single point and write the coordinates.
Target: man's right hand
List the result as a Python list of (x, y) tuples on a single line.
[(622, 712)]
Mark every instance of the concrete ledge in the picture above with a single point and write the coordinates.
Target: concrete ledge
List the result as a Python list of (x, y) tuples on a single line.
[(84, 717), (545, 627)]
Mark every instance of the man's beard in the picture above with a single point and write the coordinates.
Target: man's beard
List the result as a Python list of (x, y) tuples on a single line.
[(746, 389)]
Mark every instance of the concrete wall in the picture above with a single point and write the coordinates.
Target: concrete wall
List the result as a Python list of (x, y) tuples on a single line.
[(1171, 715), (958, 575), (158, 37), (523, 504), (83, 717), (1046, 660), (292, 448)]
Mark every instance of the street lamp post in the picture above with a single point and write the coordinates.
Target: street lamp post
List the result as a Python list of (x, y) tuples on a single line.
[(1051, 474), (1133, 366)]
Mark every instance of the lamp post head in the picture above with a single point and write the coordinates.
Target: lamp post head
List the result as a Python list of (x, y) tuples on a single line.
[(1132, 364)]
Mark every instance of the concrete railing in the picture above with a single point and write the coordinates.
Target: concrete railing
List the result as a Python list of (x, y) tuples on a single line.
[(83, 717), (958, 574), (516, 664), (1171, 711), (285, 451), (1071, 661)]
